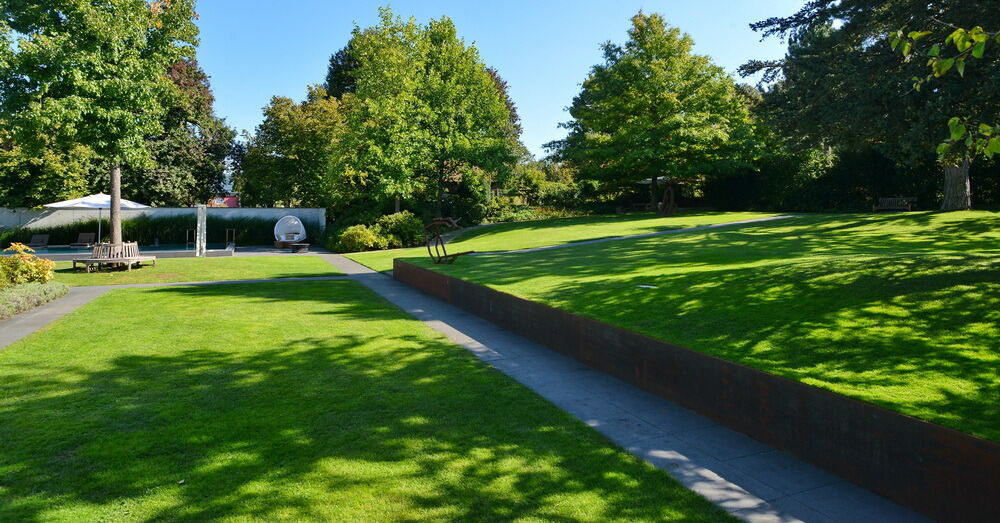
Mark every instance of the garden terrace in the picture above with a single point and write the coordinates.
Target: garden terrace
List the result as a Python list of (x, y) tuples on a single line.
[(898, 310), (542, 233)]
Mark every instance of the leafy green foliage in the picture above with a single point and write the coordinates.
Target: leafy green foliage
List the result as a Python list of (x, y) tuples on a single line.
[(292, 158), (102, 99), (968, 138), (102, 84), (838, 73), (189, 157), (340, 73), (20, 298), (401, 229), (425, 114), (653, 109), (21, 266), (361, 238)]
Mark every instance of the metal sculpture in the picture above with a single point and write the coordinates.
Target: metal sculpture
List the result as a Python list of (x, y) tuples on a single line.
[(436, 244)]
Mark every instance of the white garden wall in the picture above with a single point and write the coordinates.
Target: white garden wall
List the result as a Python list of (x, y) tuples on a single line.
[(37, 218)]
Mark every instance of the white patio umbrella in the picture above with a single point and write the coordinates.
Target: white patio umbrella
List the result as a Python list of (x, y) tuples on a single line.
[(94, 201)]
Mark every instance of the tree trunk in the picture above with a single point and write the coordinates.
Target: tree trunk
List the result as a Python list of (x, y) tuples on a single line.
[(652, 192), (116, 203), (668, 206), (397, 205), (957, 190)]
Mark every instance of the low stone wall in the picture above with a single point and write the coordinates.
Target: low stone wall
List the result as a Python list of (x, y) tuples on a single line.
[(943, 473), (40, 218)]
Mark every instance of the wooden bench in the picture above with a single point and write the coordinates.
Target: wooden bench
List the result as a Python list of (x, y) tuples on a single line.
[(114, 254), (895, 204)]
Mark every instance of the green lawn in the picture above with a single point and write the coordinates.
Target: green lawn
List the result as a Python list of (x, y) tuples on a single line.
[(901, 310), (201, 269), (292, 401), (526, 235)]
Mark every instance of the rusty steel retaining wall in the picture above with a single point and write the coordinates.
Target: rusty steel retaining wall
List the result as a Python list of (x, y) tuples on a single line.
[(943, 473)]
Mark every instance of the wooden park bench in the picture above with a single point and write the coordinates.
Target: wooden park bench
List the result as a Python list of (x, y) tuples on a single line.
[(894, 204), (106, 254)]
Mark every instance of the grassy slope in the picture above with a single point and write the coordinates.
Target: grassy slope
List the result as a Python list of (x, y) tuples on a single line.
[(900, 310), (526, 235), (292, 400), (201, 269)]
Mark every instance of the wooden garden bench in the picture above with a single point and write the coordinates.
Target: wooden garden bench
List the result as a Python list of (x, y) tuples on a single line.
[(894, 204), (114, 254)]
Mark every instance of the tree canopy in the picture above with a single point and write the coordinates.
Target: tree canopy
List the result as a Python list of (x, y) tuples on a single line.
[(841, 70), (292, 158), (652, 109), (425, 112)]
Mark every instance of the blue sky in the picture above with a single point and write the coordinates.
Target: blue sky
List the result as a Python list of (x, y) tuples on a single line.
[(256, 49)]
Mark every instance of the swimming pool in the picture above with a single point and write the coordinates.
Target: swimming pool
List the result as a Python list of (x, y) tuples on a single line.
[(57, 249)]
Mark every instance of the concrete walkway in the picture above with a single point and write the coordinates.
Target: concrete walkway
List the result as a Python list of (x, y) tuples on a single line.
[(746, 478), (634, 236)]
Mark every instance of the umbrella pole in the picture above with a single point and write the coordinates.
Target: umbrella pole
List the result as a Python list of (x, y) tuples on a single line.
[(98, 225)]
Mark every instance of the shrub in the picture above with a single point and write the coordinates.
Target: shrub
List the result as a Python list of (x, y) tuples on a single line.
[(401, 229), (24, 267), (361, 238), (19, 298)]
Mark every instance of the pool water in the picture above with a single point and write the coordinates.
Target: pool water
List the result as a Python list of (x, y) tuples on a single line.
[(142, 248)]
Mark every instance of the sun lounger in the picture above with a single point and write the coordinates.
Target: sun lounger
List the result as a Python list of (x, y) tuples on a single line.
[(39, 240), (84, 239), (114, 254)]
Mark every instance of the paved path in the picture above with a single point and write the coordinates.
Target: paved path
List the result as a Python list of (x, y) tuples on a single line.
[(645, 235), (750, 480)]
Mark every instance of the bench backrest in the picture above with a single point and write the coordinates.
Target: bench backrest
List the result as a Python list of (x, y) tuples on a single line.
[(116, 251), (896, 201)]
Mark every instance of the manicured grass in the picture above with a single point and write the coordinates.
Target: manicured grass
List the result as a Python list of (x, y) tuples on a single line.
[(901, 310), (294, 401), (527, 235), (201, 269)]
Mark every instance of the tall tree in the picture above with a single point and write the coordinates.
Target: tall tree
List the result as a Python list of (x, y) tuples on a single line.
[(93, 74), (190, 156), (840, 71), (425, 111), (293, 157), (653, 109), (340, 73)]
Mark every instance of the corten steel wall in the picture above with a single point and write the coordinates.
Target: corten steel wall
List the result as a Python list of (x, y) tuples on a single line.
[(941, 472)]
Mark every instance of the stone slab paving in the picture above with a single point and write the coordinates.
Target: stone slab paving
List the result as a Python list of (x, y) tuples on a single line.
[(750, 480)]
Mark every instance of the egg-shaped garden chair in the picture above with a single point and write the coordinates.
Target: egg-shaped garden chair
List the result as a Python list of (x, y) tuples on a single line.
[(289, 230)]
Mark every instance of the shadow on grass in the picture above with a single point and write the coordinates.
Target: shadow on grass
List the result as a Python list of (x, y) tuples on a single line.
[(880, 308), (386, 424)]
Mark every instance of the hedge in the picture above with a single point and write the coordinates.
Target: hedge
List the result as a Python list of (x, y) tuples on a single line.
[(20, 298), (166, 229)]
